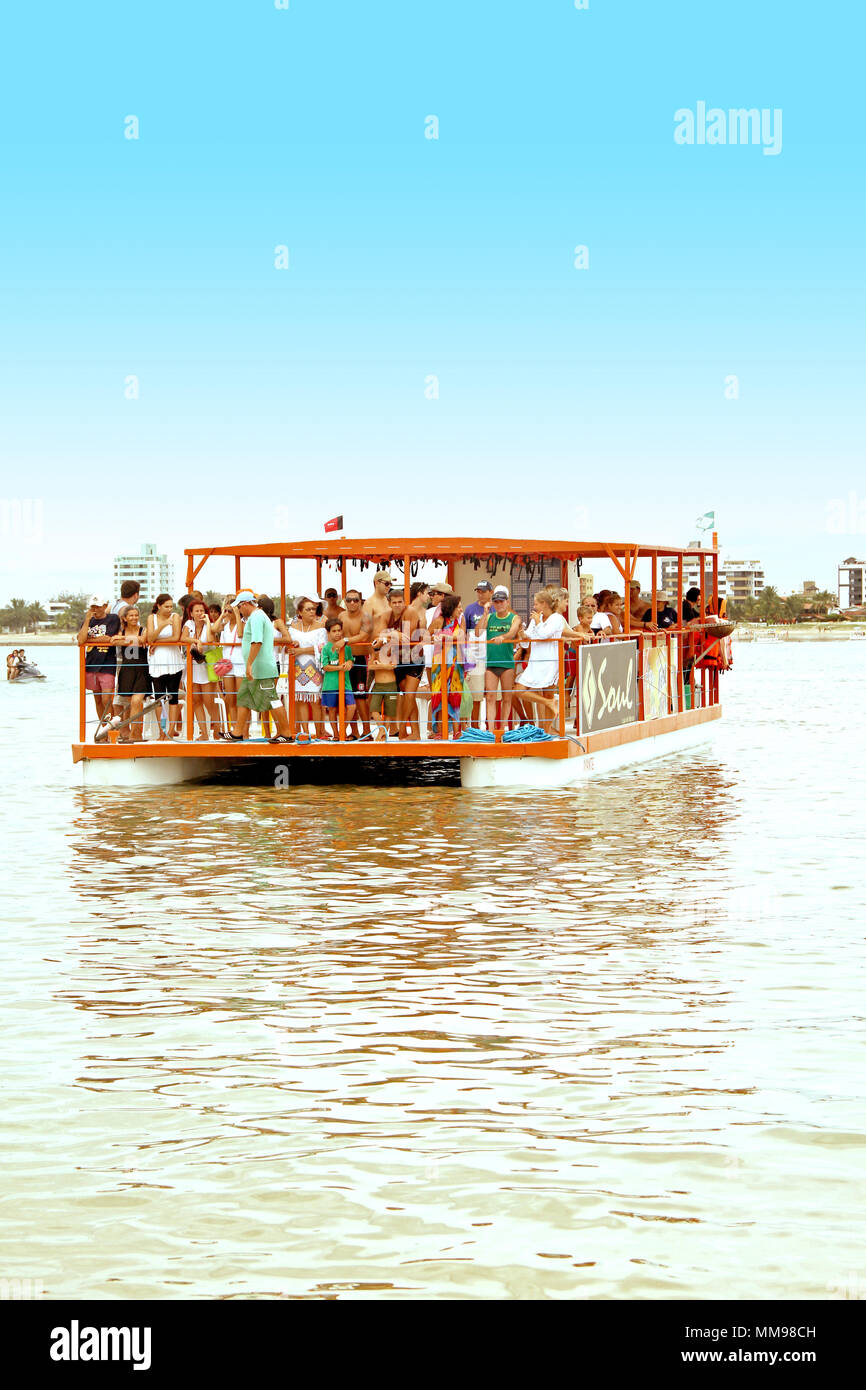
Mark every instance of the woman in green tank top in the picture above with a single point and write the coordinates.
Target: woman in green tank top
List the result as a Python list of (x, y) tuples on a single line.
[(502, 627)]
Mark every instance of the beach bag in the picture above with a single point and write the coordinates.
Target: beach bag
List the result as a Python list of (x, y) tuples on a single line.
[(212, 657)]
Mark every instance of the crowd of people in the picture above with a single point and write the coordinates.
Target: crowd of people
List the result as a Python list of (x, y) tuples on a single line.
[(480, 665)]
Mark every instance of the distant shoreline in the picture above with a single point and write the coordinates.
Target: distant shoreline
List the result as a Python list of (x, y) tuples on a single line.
[(37, 639)]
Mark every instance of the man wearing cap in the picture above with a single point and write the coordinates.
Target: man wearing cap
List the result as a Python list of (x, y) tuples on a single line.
[(476, 648), (333, 607), (666, 616), (637, 611), (377, 606), (258, 688), (100, 663)]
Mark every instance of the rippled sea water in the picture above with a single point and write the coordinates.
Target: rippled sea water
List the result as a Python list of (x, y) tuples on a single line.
[(401, 1042)]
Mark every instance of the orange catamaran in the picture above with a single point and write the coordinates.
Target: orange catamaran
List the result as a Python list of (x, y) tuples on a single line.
[(638, 695)]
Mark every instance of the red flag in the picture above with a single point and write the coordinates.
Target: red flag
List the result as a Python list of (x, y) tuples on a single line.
[(335, 524)]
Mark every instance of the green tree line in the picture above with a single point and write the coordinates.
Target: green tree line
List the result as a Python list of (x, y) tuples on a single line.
[(771, 607), (20, 616)]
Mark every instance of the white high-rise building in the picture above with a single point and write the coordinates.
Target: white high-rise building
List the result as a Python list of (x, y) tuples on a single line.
[(691, 574), (852, 583), (743, 579), (153, 571), (738, 579)]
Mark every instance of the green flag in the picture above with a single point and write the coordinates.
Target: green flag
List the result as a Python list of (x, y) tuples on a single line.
[(707, 522)]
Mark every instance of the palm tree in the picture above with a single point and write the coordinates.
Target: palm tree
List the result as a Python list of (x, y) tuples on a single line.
[(793, 606), (769, 606), (14, 615), (823, 600), (72, 617), (35, 615)]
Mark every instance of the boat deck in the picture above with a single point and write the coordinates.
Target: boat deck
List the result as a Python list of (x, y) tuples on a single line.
[(555, 748)]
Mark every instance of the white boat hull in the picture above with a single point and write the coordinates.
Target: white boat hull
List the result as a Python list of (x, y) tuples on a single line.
[(478, 773), (146, 772)]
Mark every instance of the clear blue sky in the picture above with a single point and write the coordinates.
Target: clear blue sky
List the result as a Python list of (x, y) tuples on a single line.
[(570, 401)]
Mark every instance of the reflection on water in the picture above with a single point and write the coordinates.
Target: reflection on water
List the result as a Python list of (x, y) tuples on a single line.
[(388, 1041)]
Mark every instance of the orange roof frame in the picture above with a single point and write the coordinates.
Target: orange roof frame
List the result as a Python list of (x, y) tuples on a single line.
[(443, 548)]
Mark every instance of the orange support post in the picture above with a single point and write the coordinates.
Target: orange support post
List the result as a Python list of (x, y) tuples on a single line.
[(653, 604), (318, 578), (344, 577), (407, 576), (641, 657), (237, 574), (291, 693), (670, 674), (190, 716), (562, 686), (283, 588), (82, 695), (626, 607), (703, 587)]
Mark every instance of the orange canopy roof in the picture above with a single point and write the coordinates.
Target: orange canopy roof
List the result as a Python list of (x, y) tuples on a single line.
[(442, 548)]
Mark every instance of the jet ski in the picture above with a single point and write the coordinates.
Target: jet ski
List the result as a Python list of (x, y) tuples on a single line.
[(28, 671)]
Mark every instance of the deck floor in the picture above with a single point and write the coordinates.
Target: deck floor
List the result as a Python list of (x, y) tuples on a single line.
[(558, 747)]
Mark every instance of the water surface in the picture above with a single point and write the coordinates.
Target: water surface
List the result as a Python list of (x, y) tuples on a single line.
[(402, 1042)]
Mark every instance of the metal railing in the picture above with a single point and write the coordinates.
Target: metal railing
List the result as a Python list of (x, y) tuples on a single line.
[(688, 645)]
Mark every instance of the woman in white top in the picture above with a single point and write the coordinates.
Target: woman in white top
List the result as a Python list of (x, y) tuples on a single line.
[(307, 630), (165, 662), (229, 628), (197, 626), (538, 681)]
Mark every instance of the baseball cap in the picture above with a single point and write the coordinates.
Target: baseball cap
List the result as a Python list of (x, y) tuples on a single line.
[(634, 584), (246, 596), (483, 584), (382, 574), (500, 591), (97, 602)]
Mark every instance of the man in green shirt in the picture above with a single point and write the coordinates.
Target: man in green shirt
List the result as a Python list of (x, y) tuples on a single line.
[(258, 688)]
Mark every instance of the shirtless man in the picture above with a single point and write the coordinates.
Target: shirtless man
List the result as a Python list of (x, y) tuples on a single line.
[(637, 608), (377, 607), (357, 628), (333, 606)]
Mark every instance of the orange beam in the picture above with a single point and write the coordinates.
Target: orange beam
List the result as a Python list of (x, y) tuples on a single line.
[(438, 547), (192, 575)]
